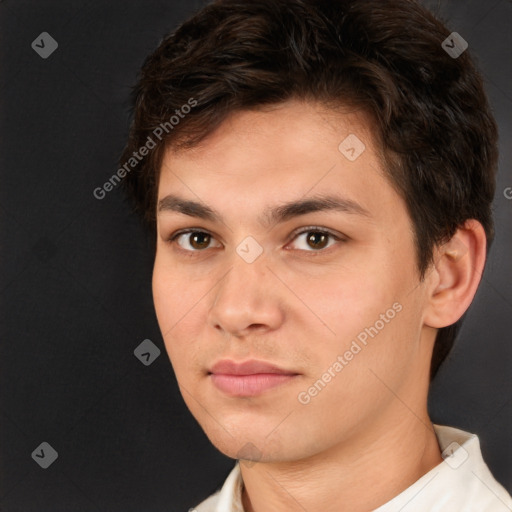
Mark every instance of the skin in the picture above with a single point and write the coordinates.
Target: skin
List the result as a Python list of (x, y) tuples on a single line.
[(366, 436)]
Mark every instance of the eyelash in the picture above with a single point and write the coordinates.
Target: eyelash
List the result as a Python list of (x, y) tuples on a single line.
[(295, 234)]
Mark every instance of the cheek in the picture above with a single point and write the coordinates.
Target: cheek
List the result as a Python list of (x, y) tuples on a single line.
[(372, 319), (163, 297), (174, 295), (178, 301), (169, 308), (356, 301)]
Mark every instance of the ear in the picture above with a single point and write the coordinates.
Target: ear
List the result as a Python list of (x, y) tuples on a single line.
[(454, 279)]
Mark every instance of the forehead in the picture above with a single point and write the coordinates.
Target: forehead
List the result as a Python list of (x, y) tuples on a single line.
[(295, 125), (280, 153)]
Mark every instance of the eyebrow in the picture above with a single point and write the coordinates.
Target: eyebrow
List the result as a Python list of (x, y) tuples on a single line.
[(274, 214)]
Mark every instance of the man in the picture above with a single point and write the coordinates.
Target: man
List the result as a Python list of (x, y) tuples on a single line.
[(318, 178)]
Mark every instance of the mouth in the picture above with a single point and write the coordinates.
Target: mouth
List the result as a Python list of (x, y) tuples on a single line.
[(250, 378)]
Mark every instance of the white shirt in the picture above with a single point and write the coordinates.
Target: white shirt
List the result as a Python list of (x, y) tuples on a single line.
[(461, 483)]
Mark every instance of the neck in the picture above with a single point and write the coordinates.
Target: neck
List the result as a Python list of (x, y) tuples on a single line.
[(362, 473)]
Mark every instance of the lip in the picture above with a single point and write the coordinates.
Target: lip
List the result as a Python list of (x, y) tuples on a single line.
[(248, 378)]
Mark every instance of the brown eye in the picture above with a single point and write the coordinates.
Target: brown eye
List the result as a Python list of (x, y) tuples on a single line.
[(199, 240), (192, 241), (317, 239), (314, 240)]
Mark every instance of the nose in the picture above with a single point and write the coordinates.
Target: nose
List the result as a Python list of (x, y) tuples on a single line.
[(247, 299)]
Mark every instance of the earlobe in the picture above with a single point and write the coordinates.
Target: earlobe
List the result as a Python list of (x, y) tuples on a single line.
[(459, 265)]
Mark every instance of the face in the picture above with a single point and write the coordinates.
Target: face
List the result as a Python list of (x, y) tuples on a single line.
[(288, 298)]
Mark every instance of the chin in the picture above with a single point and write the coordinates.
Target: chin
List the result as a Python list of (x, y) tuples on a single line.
[(252, 444)]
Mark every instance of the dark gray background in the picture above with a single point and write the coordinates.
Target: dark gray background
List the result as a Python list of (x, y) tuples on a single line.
[(76, 273)]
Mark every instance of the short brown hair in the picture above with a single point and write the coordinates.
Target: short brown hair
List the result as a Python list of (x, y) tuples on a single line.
[(385, 57)]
